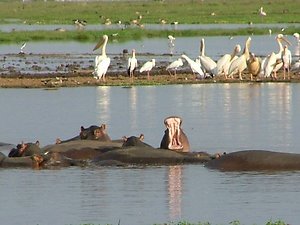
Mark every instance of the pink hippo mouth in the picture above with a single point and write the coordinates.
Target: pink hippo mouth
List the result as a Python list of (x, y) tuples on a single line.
[(173, 125)]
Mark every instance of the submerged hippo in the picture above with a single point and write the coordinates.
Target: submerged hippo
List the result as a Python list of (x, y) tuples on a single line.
[(28, 161), (82, 149), (255, 160), (91, 133), (135, 151), (174, 137)]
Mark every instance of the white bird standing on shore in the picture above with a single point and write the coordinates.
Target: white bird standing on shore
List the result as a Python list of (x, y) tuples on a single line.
[(147, 67), (287, 61), (224, 62), (209, 65), (132, 64), (174, 66), (195, 67), (273, 62), (22, 48), (102, 61), (240, 64)]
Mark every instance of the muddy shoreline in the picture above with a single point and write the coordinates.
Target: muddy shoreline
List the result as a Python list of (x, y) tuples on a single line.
[(85, 78)]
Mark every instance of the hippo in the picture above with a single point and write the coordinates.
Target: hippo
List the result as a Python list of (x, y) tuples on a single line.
[(57, 160), (16, 162), (25, 149), (174, 137), (135, 152), (255, 160), (83, 149), (91, 133)]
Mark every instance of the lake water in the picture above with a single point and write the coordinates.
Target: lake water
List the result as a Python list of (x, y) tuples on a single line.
[(216, 118)]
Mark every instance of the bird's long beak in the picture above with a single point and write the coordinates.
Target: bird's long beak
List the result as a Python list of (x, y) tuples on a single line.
[(99, 44), (286, 41)]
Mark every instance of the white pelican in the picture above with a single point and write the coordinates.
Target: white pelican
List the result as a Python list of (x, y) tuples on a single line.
[(209, 65), (296, 66), (240, 64), (268, 64), (297, 36), (147, 67), (274, 67), (102, 62), (224, 62), (262, 12), (287, 61), (253, 65), (132, 64), (297, 48), (174, 66), (195, 67)]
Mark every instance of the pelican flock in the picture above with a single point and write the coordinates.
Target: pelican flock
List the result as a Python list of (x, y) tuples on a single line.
[(230, 65)]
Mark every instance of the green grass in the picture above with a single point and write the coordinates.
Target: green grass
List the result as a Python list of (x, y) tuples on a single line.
[(124, 35), (183, 11)]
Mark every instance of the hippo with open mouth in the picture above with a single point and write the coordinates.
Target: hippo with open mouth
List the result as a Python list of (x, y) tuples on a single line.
[(174, 137)]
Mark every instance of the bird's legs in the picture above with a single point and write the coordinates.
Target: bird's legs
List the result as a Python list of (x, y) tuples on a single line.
[(240, 75), (148, 75)]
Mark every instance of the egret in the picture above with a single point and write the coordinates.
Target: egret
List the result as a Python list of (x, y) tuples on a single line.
[(132, 64), (171, 43), (195, 67), (147, 67), (287, 61), (240, 64), (174, 66), (102, 61), (22, 48), (209, 65), (253, 65), (262, 12), (224, 62)]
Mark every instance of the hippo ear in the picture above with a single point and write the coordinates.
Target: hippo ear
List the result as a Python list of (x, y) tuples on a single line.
[(124, 138), (141, 137), (82, 128), (103, 126), (37, 143)]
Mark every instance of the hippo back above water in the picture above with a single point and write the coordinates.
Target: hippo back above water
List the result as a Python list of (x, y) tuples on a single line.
[(256, 160)]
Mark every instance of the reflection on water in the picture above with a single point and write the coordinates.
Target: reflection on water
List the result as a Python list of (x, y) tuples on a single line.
[(175, 191), (216, 118)]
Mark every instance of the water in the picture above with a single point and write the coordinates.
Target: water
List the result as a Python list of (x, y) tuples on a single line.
[(216, 117)]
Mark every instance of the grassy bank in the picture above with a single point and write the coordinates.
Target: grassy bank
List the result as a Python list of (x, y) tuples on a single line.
[(126, 34), (152, 11)]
